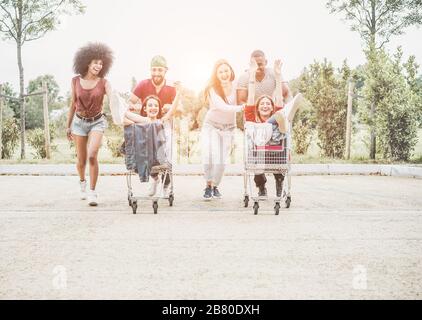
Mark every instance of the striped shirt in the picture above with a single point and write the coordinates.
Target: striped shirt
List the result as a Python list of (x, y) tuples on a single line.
[(265, 87)]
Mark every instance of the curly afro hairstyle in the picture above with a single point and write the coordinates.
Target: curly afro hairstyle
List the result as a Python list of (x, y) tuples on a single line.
[(93, 51)]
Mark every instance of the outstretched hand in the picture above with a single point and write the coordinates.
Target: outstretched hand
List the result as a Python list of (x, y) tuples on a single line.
[(178, 86), (253, 66), (277, 67)]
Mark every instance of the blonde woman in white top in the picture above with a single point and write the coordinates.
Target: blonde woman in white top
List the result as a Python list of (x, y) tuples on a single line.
[(219, 125)]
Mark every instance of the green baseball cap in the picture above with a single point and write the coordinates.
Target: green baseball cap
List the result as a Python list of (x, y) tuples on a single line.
[(159, 61)]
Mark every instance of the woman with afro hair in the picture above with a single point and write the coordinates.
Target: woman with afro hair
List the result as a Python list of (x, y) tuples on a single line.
[(86, 122)]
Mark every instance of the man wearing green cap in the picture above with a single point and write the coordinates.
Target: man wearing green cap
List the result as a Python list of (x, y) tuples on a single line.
[(156, 86)]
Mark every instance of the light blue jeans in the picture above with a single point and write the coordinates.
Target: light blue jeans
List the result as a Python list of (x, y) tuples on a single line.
[(82, 128)]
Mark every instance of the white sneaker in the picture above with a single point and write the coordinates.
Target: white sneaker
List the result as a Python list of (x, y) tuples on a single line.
[(92, 198), (82, 185), (152, 189)]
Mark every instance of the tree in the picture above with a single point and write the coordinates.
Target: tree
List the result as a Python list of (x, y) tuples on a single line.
[(396, 117), (12, 105), (34, 106), (29, 20), (377, 21), (326, 91), (415, 85), (9, 128)]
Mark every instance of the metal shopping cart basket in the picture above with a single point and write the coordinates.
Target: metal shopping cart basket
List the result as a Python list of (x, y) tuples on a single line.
[(162, 169), (262, 156)]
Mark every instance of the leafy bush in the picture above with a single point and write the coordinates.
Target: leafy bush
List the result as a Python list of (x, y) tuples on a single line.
[(36, 140), (10, 137), (326, 90), (302, 136), (396, 118), (114, 145)]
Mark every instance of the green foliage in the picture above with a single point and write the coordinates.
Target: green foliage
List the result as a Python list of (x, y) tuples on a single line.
[(303, 128), (35, 18), (377, 21), (396, 115), (304, 121), (326, 91), (34, 105), (189, 108), (12, 105), (415, 85), (36, 140), (114, 144), (10, 137)]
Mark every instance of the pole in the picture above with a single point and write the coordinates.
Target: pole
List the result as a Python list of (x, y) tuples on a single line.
[(23, 107), (373, 147), (349, 119), (1, 122), (46, 121)]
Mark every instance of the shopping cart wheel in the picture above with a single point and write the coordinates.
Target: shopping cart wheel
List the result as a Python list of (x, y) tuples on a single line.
[(134, 206), (246, 201), (255, 208), (288, 201), (171, 200), (155, 207), (277, 208)]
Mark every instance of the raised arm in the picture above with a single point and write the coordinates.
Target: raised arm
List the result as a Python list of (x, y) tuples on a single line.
[(279, 83), (175, 103), (251, 84)]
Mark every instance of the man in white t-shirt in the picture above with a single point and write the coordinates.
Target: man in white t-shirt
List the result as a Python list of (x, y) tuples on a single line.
[(265, 81)]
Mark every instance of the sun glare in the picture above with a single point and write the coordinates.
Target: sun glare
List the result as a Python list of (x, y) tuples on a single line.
[(194, 75)]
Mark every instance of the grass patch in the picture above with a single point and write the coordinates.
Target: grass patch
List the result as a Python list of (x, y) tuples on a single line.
[(359, 152)]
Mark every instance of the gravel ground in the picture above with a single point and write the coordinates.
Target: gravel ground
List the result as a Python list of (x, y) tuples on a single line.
[(345, 237)]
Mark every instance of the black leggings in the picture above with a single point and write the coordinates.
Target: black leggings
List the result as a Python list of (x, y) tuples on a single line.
[(261, 179)]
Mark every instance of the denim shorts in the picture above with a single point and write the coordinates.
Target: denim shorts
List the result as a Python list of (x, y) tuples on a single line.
[(82, 127)]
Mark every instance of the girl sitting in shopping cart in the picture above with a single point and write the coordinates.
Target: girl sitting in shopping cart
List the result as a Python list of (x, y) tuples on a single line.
[(270, 111), (153, 112)]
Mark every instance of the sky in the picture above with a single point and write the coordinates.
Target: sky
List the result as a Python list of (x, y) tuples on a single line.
[(192, 35)]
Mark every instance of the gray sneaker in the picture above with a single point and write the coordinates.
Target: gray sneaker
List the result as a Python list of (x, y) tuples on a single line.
[(208, 194), (216, 193)]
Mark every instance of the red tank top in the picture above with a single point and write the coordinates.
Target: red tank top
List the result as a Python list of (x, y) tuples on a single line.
[(88, 103)]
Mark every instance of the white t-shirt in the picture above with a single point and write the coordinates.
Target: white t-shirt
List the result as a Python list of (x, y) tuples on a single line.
[(265, 87), (221, 112)]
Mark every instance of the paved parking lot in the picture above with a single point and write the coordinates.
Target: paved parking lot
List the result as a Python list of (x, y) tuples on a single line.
[(344, 237)]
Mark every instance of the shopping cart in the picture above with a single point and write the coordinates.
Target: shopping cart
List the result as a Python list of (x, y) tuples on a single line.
[(164, 172), (262, 156)]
